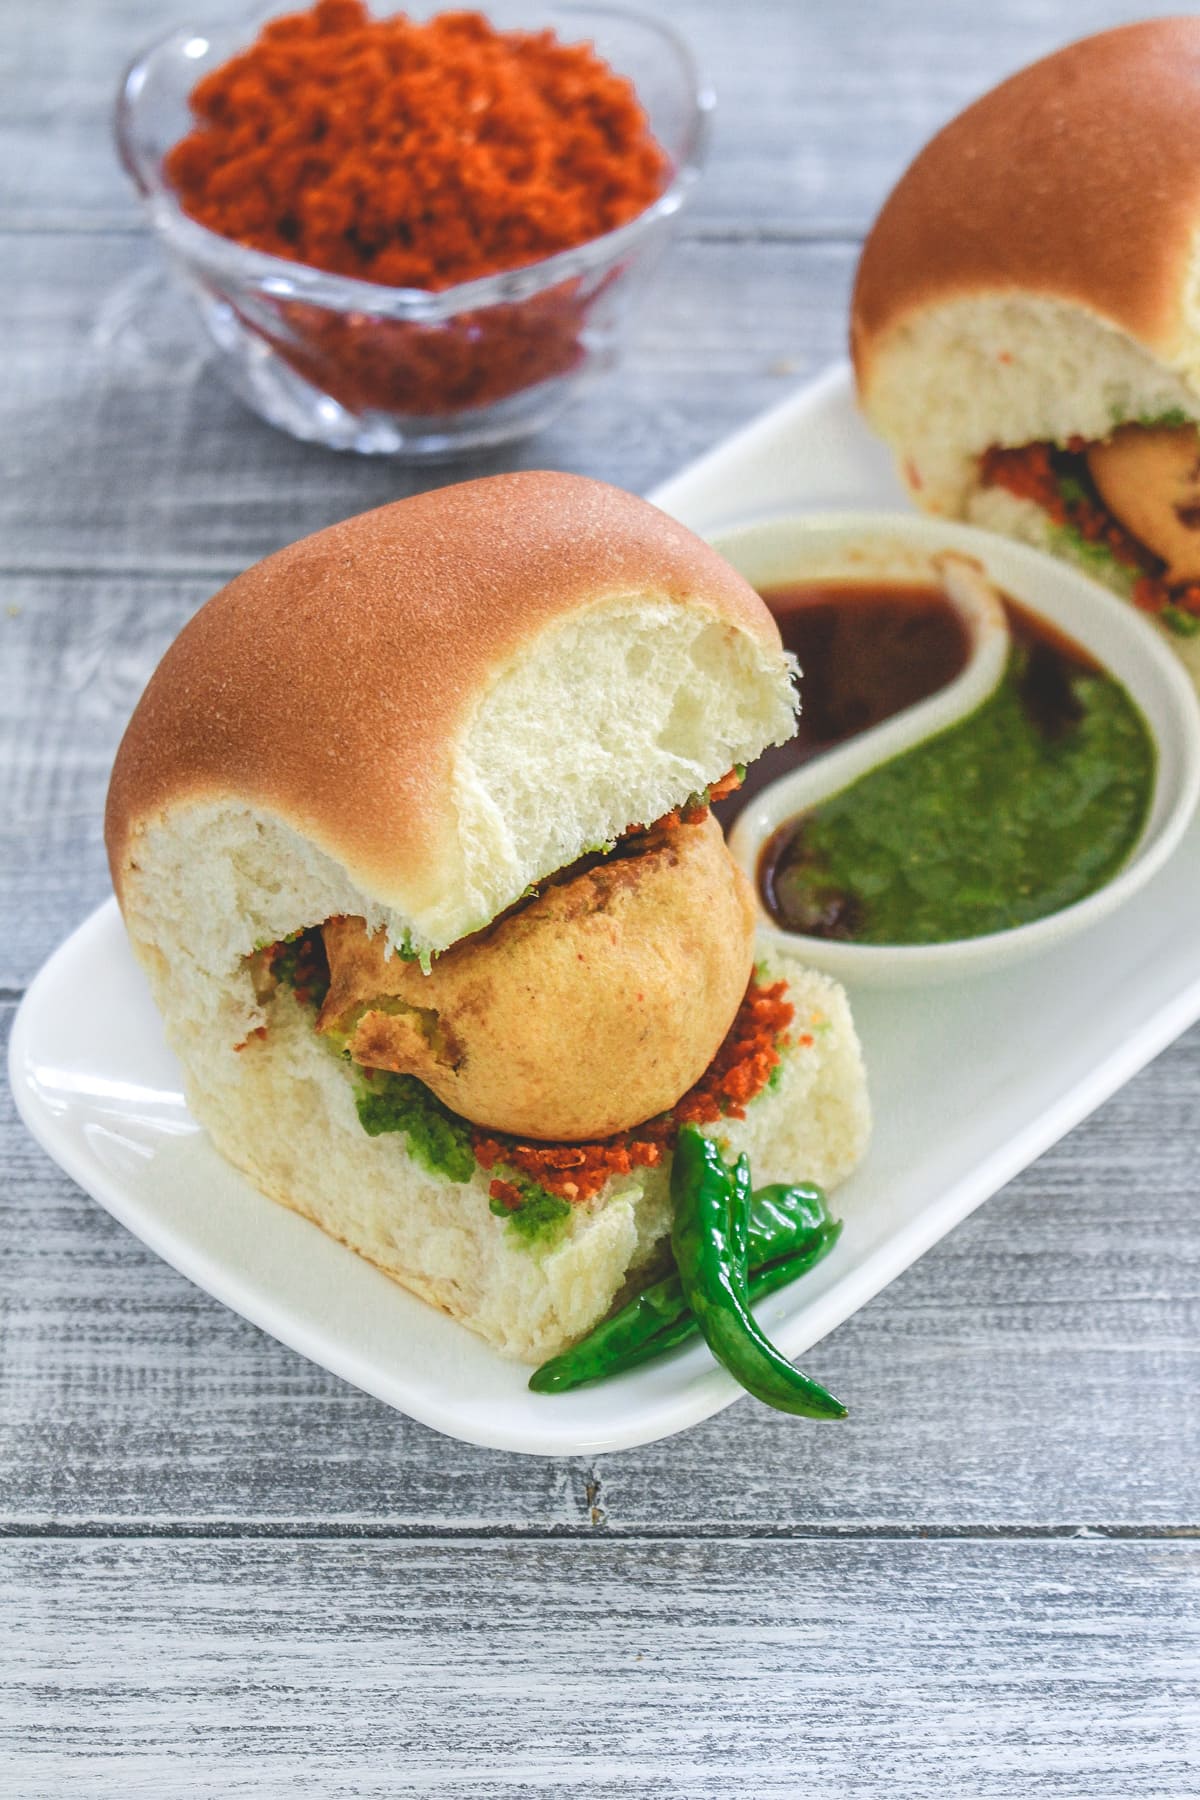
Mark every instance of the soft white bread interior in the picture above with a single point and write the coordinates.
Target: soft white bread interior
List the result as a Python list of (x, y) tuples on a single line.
[(1035, 274), (283, 1110), (412, 716), (1009, 369)]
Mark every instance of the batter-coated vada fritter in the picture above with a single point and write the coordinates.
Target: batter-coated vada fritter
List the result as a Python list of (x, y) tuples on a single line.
[(1149, 479), (378, 828), (589, 1009)]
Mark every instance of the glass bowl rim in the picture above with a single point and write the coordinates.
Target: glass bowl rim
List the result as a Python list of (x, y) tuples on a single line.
[(281, 278)]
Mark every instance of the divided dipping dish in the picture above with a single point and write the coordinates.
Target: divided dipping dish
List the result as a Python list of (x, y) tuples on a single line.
[(862, 548)]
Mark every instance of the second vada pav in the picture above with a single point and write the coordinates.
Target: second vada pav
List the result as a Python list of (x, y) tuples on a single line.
[(1025, 327)]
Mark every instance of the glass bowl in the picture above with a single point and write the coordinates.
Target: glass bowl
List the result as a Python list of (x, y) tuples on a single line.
[(406, 372)]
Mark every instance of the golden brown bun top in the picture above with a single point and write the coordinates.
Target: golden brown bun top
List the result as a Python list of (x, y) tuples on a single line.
[(329, 683), (1078, 178)]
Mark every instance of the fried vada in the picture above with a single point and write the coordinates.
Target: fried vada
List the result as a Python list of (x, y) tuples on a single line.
[(642, 958)]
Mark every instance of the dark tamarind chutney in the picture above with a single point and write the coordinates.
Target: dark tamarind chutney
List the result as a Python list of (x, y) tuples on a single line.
[(866, 650)]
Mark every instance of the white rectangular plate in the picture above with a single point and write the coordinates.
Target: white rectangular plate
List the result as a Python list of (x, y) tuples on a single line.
[(969, 1083)]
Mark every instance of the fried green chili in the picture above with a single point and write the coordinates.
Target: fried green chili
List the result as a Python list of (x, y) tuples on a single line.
[(709, 1238), (789, 1230), (783, 1217), (763, 1282)]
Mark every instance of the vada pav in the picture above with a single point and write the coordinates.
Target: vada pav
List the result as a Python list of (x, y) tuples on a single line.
[(1025, 325), (411, 834)]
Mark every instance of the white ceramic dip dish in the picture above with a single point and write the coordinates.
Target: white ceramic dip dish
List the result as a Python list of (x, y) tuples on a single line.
[(783, 551)]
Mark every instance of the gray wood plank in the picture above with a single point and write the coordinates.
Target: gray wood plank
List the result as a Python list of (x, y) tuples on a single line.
[(74, 657), (981, 1669), (1036, 1371), (819, 106), (122, 450)]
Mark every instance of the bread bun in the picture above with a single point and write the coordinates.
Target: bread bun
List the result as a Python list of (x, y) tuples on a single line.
[(1034, 274), (412, 716)]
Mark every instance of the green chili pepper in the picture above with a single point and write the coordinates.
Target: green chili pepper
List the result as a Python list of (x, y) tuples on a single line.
[(789, 1222), (740, 1192), (782, 1218), (766, 1281), (709, 1238), (614, 1340)]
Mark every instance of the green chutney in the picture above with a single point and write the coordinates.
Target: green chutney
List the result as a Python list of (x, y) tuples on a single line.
[(1029, 804)]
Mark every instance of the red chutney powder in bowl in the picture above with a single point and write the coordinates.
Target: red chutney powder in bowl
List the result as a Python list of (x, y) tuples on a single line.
[(418, 156), (367, 363), (413, 153)]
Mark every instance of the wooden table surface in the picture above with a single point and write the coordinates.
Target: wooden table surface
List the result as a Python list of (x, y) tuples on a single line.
[(225, 1572)]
